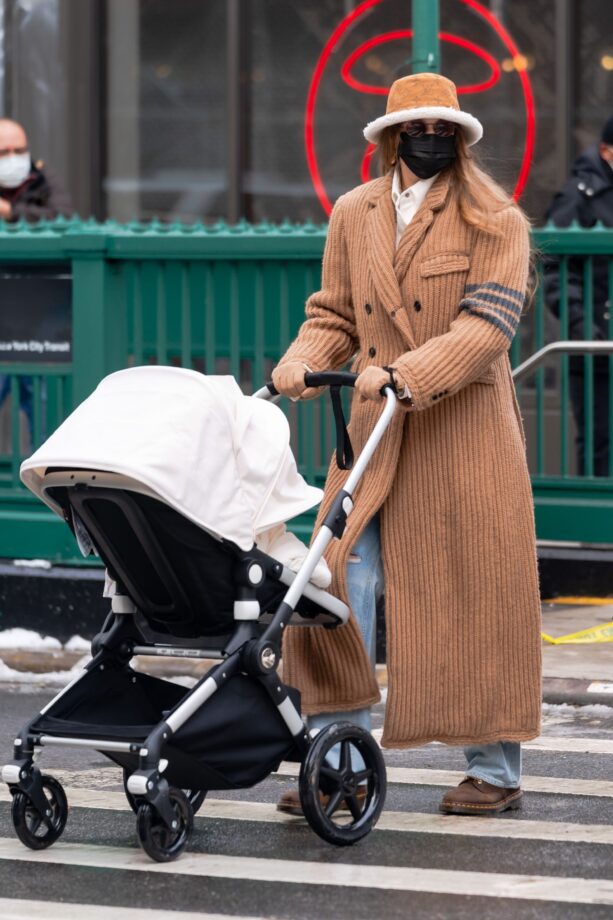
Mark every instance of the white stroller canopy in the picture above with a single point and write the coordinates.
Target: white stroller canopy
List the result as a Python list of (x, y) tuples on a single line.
[(218, 457)]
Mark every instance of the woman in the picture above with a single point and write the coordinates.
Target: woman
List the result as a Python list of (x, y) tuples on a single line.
[(424, 279)]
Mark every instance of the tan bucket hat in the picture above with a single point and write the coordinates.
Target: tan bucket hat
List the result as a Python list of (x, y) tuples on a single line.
[(424, 95)]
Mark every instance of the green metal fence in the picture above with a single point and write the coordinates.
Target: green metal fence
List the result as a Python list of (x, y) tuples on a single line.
[(228, 299)]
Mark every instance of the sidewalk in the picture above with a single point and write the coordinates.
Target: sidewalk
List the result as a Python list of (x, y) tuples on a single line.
[(577, 674), (573, 674)]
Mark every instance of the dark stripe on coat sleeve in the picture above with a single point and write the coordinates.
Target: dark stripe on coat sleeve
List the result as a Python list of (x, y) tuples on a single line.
[(512, 318), (492, 318), (497, 300), (500, 288)]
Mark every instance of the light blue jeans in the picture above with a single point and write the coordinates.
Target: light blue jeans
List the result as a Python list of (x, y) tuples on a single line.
[(498, 763)]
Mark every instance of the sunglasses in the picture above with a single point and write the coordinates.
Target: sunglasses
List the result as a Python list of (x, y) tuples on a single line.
[(419, 128)]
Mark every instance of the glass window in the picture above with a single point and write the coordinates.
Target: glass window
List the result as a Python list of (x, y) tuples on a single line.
[(166, 109), (311, 75), (502, 58), (293, 56), (594, 68)]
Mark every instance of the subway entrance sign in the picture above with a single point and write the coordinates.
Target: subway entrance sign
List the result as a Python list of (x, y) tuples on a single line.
[(35, 313)]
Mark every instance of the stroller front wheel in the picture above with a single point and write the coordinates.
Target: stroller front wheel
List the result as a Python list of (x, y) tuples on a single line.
[(159, 841), (195, 796), (35, 830), (342, 783)]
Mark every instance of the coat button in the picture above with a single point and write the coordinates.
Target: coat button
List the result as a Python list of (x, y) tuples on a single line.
[(368, 308), (393, 314), (372, 351), (417, 306)]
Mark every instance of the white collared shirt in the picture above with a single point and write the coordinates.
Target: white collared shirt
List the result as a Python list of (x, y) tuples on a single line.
[(408, 202)]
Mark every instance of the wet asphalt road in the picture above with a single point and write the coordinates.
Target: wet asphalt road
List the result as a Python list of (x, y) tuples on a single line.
[(457, 856)]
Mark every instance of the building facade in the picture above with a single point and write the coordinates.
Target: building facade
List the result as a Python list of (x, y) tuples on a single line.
[(208, 109)]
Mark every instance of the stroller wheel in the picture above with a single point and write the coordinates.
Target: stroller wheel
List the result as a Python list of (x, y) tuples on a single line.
[(196, 796), (159, 841), (35, 830), (342, 783)]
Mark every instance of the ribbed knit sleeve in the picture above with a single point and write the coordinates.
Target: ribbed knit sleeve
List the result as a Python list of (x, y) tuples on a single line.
[(328, 339), (488, 315)]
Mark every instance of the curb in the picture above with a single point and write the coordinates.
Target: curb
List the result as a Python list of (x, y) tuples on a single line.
[(575, 692), (60, 601), (556, 690), (577, 571), (63, 600)]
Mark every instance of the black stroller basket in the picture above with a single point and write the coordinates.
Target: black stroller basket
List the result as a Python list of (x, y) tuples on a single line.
[(181, 591)]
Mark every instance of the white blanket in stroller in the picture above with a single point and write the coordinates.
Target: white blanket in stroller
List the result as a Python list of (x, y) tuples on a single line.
[(195, 442)]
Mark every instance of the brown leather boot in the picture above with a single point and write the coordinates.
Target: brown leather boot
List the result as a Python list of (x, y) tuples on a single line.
[(476, 797), (290, 801)]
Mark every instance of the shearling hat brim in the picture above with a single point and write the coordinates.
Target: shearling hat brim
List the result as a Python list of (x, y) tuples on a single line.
[(472, 128)]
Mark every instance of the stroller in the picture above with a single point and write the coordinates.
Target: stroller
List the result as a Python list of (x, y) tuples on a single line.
[(177, 534)]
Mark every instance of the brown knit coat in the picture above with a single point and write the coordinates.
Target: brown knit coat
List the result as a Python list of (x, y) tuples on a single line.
[(449, 479)]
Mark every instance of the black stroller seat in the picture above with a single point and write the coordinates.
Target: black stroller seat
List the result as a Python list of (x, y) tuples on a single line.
[(181, 579)]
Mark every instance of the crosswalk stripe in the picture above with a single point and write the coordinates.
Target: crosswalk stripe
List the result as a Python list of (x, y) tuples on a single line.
[(472, 826), (402, 822), (339, 875), (548, 784), (25, 910), (570, 745), (553, 743)]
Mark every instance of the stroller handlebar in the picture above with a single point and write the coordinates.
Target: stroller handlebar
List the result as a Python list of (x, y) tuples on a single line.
[(321, 379), (334, 380)]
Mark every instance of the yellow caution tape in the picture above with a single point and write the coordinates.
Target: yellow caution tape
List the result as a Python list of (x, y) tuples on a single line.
[(602, 633), (581, 601)]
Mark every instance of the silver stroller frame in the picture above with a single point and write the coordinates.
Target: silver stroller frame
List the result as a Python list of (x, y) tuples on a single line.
[(250, 651)]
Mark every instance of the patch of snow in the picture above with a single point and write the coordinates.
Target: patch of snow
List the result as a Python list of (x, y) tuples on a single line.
[(56, 678), (78, 644), (33, 563), (27, 639), (183, 681), (565, 711)]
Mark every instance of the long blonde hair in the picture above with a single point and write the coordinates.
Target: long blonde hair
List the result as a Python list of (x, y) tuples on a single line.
[(477, 195)]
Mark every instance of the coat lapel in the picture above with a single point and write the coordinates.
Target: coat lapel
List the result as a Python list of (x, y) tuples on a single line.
[(389, 265), (381, 230)]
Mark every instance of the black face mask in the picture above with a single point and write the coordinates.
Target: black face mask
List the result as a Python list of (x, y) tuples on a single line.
[(426, 155)]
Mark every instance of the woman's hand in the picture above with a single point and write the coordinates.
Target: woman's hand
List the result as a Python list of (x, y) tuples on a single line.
[(371, 381), (289, 381)]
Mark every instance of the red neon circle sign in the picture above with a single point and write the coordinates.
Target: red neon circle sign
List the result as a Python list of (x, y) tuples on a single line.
[(332, 44), (408, 33)]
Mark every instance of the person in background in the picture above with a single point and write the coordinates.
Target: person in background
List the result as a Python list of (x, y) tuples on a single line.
[(586, 198), (26, 192), (27, 189)]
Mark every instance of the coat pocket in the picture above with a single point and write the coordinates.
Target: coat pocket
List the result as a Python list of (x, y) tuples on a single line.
[(488, 376), (443, 263)]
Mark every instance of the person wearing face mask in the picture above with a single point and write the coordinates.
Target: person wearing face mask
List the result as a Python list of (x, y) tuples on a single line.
[(26, 192), (26, 189), (587, 198), (424, 281)]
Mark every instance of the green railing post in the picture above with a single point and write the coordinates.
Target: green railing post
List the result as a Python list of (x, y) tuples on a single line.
[(426, 50), (98, 320)]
